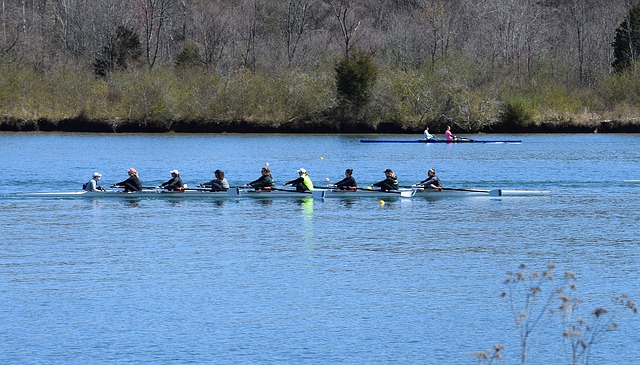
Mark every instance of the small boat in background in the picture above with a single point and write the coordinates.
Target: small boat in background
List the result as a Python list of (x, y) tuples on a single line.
[(459, 140)]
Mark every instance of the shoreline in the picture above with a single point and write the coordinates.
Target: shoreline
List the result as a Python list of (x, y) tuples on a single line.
[(83, 125)]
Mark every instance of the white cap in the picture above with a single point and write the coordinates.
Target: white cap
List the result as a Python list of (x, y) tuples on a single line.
[(174, 172), (97, 174), (302, 170)]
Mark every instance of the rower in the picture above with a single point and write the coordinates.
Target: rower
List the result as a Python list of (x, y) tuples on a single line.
[(389, 183), (431, 182), (348, 183), (450, 137), (173, 184), (428, 136), (217, 184), (264, 182), (132, 184), (302, 183), (92, 185)]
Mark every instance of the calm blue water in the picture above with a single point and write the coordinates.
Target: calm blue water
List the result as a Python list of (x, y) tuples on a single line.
[(303, 281)]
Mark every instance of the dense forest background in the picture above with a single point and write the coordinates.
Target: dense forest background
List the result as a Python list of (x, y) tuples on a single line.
[(328, 65)]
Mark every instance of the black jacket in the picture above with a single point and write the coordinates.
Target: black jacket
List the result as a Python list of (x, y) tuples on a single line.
[(133, 183), (173, 184), (347, 181), (387, 184)]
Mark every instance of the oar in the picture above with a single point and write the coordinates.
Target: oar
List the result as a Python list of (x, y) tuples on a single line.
[(207, 189), (469, 190), (404, 194), (452, 189), (466, 139), (293, 191), (114, 186)]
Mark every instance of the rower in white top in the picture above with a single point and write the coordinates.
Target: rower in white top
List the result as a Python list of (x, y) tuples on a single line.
[(92, 185)]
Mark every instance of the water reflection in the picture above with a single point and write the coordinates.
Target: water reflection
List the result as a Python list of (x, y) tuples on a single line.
[(306, 206), (348, 203), (218, 203), (131, 203), (175, 203)]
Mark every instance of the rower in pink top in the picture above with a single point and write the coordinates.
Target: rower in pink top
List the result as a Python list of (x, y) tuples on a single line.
[(448, 134)]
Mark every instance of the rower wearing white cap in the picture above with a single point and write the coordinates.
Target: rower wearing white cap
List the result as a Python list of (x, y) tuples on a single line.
[(175, 183), (92, 185), (303, 183)]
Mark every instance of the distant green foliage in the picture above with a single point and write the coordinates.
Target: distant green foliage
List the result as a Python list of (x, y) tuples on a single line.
[(448, 92), (626, 46), (123, 49), (516, 110), (190, 56), (355, 77)]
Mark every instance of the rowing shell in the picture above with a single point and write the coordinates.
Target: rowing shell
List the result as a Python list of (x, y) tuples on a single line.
[(161, 193), (436, 141), (285, 193)]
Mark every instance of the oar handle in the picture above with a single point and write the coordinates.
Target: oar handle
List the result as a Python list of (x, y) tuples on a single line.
[(293, 191)]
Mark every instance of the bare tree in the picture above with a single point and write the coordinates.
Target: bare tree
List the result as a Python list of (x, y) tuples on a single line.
[(295, 24), (210, 29), (348, 21), (154, 14)]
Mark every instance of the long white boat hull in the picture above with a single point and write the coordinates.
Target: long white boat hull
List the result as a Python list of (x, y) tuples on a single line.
[(362, 193), (282, 193), (161, 193)]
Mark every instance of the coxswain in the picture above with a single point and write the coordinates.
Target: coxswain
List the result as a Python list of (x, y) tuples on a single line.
[(92, 185)]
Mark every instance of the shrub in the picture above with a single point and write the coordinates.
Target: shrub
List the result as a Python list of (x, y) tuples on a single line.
[(355, 76), (516, 110)]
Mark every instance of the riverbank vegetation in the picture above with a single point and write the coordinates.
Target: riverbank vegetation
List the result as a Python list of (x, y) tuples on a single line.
[(320, 66)]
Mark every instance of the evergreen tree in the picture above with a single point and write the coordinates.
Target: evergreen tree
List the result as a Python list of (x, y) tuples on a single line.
[(355, 75), (123, 49), (190, 56), (626, 46)]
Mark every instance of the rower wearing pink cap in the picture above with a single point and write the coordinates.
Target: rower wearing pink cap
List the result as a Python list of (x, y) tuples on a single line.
[(132, 184)]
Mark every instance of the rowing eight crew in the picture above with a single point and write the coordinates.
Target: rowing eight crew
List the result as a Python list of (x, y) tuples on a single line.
[(264, 182)]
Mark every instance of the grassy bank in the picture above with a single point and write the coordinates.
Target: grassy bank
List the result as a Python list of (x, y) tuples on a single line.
[(192, 100)]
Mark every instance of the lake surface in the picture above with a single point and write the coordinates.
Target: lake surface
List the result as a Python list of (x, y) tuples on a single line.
[(413, 281)]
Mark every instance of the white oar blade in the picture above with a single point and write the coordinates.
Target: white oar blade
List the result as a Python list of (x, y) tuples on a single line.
[(407, 194), (318, 194)]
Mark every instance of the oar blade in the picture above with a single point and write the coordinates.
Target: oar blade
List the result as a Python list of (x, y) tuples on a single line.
[(318, 194)]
